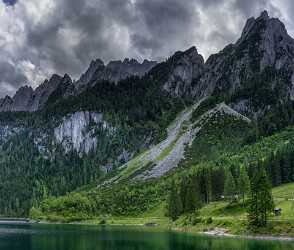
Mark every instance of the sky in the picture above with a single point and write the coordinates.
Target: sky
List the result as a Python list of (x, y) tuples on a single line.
[(42, 37)]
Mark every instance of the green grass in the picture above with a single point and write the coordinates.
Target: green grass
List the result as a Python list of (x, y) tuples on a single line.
[(233, 217), (223, 215), (285, 191), (132, 166), (138, 164)]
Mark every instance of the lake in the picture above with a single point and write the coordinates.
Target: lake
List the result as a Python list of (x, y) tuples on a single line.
[(77, 237)]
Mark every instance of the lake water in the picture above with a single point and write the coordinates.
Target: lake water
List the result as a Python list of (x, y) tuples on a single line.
[(76, 237)]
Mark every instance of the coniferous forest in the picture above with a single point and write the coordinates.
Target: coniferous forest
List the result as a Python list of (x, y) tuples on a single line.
[(185, 142)]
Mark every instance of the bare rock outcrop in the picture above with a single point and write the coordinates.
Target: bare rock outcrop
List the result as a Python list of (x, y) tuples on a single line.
[(77, 131)]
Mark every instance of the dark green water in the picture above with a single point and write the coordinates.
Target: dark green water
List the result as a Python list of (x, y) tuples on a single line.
[(72, 237)]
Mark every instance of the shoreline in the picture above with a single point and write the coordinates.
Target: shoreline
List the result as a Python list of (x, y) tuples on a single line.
[(250, 237), (213, 233), (216, 232)]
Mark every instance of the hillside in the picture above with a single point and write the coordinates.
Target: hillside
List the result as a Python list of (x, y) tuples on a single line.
[(145, 202), (128, 194), (125, 136)]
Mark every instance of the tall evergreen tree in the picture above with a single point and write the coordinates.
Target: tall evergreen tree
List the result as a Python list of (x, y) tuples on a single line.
[(174, 203), (230, 186), (192, 196), (261, 201), (243, 183)]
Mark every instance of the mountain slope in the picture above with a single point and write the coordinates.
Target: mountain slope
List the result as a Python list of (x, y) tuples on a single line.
[(126, 124), (255, 74), (135, 198)]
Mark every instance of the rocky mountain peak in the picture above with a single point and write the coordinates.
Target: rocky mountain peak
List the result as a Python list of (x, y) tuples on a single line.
[(264, 15), (23, 91), (85, 78), (182, 70), (261, 60), (53, 79), (114, 71), (273, 45), (5, 103), (191, 51), (22, 98), (265, 31), (96, 63), (27, 99), (131, 61), (66, 79)]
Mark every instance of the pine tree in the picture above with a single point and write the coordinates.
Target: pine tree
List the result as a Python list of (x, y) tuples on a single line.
[(286, 167), (243, 183), (261, 201), (230, 186), (192, 196), (276, 169), (183, 191), (174, 202)]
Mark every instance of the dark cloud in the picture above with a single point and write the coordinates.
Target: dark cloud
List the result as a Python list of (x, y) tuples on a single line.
[(162, 22), (63, 36), (10, 2), (9, 72)]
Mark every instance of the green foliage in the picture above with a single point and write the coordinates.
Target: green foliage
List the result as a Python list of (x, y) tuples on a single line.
[(192, 199), (27, 178), (174, 203), (138, 110), (243, 183), (136, 104), (206, 105), (199, 184), (260, 201), (230, 189), (219, 134), (117, 200)]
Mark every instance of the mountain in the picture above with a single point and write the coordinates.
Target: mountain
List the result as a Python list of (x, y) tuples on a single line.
[(254, 73), (114, 71), (180, 73), (27, 99), (127, 124)]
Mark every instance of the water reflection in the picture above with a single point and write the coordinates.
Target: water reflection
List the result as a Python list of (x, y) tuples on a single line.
[(75, 237)]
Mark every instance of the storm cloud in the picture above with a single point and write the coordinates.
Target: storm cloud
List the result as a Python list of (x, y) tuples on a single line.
[(38, 38)]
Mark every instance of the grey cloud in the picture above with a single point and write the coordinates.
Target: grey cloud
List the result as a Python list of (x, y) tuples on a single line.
[(75, 32), (9, 2), (166, 25), (9, 72)]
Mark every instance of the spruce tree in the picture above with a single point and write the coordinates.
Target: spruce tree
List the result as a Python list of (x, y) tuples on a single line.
[(230, 186), (243, 183), (261, 201), (174, 202), (192, 196)]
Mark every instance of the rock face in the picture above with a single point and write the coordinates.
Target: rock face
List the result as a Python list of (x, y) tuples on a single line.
[(262, 59), (264, 48), (184, 69), (27, 99), (78, 131), (178, 74), (22, 99), (43, 92), (6, 131), (6, 103), (114, 71)]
